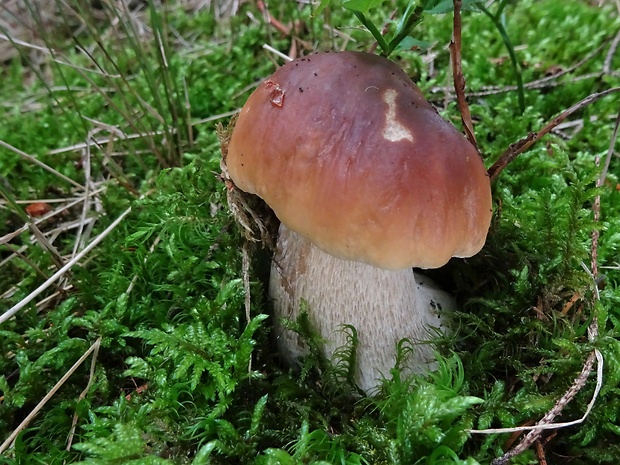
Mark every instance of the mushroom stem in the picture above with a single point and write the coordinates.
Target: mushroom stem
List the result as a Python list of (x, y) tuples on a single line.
[(384, 306)]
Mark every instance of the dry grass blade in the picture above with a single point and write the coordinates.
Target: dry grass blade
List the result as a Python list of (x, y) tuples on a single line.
[(119, 135), (216, 117), (89, 185), (40, 163), (9, 441), (91, 378), (26, 300), (8, 237), (269, 48), (30, 224)]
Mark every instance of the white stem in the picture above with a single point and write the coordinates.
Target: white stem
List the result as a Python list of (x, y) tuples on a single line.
[(384, 306)]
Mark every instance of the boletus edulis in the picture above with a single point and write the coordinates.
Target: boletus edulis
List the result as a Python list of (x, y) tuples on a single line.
[(368, 182)]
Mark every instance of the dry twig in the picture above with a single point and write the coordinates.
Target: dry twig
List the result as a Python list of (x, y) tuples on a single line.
[(459, 79), (547, 421), (514, 150), (596, 207)]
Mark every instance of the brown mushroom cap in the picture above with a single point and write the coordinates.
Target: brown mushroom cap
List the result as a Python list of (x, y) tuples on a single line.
[(347, 152)]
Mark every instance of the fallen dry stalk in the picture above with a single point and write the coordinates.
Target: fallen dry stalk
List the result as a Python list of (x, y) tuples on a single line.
[(269, 48), (514, 150), (546, 422), (459, 79)]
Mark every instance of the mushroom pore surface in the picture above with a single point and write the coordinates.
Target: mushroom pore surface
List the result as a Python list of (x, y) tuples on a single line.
[(347, 152)]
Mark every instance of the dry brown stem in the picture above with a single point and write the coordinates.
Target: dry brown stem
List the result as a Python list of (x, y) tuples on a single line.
[(546, 422), (459, 79), (514, 150), (596, 207)]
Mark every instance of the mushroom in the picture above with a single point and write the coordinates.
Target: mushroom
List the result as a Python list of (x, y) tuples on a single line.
[(368, 182)]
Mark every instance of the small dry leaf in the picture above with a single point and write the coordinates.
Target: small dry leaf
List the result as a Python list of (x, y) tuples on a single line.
[(37, 209)]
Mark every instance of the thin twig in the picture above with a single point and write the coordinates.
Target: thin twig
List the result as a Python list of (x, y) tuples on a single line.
[(596, 207), (286, 30), (18, 252), (540, 453), (545, 422), (9, 441), (514, 150), (459, 79)]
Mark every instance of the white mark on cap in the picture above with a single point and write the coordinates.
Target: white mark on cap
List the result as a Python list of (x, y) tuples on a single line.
[(393, 130)]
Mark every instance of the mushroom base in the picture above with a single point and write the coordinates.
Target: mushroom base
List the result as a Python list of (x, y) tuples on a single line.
[(384, 306)]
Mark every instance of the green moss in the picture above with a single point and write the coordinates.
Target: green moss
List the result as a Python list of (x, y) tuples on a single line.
[(181, 375)]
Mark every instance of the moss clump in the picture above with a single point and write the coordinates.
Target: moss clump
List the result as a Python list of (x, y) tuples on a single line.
[(182, 374)]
